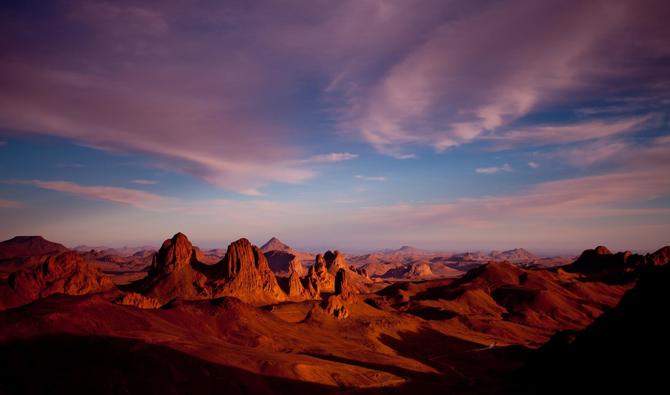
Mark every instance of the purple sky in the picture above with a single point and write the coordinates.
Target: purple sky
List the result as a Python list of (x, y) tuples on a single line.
[(350, 124)]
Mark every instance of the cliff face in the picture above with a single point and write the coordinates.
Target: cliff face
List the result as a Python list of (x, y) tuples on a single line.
[(319, 277), (172, 274), (244, 273)]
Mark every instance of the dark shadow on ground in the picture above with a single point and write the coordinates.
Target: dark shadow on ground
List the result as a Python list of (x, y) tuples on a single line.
[(107, 365), (464, 367), (624, 351)]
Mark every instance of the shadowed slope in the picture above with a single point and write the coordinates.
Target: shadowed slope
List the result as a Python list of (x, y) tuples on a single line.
[(507, 304), (109, 365), (622, 350)]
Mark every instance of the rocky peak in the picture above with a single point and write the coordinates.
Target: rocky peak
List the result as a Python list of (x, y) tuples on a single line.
[(240, 258), (245, 274), (602, 250), (172, 273), (175, 254), (274, 244)]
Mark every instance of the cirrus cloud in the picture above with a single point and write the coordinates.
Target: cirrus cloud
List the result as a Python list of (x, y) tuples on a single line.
[(127, 196), (494, 169)]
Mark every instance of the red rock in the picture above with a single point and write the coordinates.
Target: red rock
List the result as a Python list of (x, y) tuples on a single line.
[(172, 274), (337, 307), (138, 300), (244, 273), (319, 276), (334, 261), (660, 257), (66, 273)]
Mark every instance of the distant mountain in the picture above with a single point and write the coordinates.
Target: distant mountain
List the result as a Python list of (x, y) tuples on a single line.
[(122, 251), (517, 254), (409, 250), (27, 246), (274, 244)]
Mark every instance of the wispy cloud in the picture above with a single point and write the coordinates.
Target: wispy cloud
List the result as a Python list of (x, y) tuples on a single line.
[(493, 170), (370, 178), (398, 76), (141, 181), (127, 196), (4, 203), (330, 158), (588, 154), (533, 165), (572, 132), (429, 97), (607, 195)]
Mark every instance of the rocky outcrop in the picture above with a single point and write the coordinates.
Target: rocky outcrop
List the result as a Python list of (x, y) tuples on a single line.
[(299, 289), (320, 277), (244, 273), (337, 307), (66, 273), (334, 261), (138, 300), (338, 304), (297, 267), (660, 257), (342, 286), (172, 273), (420, 270), (601, 263), (322, 273), (175, 254)]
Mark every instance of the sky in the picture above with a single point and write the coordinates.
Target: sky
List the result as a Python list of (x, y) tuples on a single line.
[(353, 124)]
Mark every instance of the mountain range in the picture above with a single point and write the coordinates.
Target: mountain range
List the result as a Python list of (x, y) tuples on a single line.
[(326, 326)]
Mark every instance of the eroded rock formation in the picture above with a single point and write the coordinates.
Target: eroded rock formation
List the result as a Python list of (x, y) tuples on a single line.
[(66, 273), (244, 273), (172, 273)]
